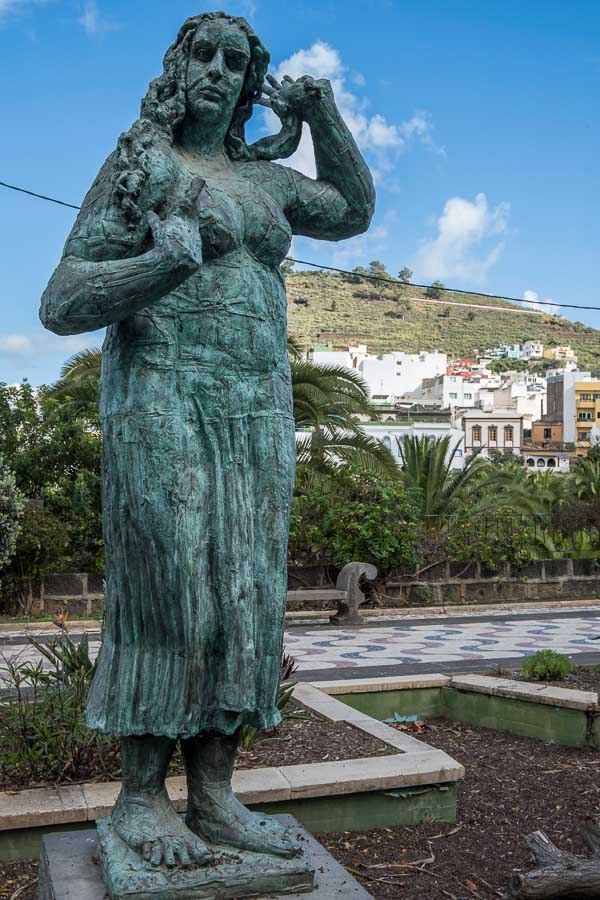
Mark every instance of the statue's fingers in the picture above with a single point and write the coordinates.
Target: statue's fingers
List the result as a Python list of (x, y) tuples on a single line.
[(183, 855), (267, 89), (273, 82), (169, 856), (156, 855), (191, 195), (264, 101), (288, 80), (147, 851)]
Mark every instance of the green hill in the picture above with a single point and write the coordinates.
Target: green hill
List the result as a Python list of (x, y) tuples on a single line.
[(392, 318)]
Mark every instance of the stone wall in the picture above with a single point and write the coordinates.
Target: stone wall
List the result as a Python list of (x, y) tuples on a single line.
[(80, 594), (448, 583)]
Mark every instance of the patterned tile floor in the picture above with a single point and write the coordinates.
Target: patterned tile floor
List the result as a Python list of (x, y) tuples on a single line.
[(423, 643), (403, 644)]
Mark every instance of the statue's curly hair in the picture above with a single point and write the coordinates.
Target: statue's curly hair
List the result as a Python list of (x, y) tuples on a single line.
[(164, 106)]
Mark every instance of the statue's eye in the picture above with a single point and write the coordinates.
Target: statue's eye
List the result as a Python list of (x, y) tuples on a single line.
[(236, 62), (204, 53)]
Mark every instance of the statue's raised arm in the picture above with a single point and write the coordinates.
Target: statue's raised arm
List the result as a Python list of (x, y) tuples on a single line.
[(340, 202)]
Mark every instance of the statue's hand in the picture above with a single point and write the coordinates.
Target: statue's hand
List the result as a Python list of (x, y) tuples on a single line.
[(290, 98), (178, 236)]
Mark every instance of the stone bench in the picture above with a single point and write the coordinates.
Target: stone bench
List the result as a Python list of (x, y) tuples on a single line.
[(347, 594)]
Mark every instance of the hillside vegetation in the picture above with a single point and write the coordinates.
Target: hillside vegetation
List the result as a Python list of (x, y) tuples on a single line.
[(391, 318)]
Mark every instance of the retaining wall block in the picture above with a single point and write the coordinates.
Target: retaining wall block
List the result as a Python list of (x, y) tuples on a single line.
[(574, 587), (588, 567), (64, 585), (463, 569), (529, 570), (556, 568)]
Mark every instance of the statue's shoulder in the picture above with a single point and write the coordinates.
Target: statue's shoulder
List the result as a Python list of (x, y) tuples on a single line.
[(271, 177), (113, 217)]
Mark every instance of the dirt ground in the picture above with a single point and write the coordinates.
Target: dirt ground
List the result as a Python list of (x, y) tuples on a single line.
[(512, 786)]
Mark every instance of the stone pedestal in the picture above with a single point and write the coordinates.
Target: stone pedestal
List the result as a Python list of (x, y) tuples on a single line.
[(71, 867)]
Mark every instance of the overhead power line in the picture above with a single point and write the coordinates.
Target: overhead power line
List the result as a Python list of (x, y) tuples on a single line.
[(39, 196), (366, 275)]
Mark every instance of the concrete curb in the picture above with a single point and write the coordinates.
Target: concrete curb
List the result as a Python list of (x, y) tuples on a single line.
[(416, 763)]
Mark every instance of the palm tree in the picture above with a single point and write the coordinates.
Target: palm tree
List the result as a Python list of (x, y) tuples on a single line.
[(79, 383), (427, 466), (328, 401), (587, 478), (479, 487)]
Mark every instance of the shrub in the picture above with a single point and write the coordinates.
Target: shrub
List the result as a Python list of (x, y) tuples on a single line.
[(11, 506), (546, 665), (356, 516), (43, 737)]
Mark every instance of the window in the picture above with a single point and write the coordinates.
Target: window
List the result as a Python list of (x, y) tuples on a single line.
[(476, 433), (584, 416), (541, 464), (492, 434), (596, 396), (547, 434), (453, 396), (551, 464), (582, 435), (531, 462), (468, 396), (509, 434), (585, 397)]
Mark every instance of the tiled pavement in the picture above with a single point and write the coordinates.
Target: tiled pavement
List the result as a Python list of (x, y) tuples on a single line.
[(460, 643)]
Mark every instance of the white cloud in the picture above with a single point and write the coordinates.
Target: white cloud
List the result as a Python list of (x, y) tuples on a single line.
[(372, 132), (16, 343), (42, 341), (532, 299), (93, 22), (466, 244)]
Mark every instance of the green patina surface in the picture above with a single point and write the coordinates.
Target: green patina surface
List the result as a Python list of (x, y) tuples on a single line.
[(177, 252)]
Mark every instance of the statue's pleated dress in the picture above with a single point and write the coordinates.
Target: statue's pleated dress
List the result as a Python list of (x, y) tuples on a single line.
[(197, 480)]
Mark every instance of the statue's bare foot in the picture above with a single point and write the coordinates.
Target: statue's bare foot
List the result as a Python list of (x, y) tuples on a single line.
[(148, 823), (219, 818)]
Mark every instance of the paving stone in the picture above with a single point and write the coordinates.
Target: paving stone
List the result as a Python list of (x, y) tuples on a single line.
[(369, 774), (42, 806), (535, 693)]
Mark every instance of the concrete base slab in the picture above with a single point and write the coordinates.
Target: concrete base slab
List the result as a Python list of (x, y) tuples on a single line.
[(70, 869)]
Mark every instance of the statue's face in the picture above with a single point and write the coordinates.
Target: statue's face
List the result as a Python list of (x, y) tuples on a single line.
[(219, 57)]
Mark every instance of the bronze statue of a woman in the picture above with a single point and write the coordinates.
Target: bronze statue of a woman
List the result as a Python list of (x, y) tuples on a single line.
[(177, 250)]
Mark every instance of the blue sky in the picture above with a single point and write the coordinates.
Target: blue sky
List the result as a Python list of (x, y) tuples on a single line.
[(480, 121)]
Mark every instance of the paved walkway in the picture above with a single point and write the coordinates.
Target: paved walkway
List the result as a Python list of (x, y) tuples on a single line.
[(458, 643)]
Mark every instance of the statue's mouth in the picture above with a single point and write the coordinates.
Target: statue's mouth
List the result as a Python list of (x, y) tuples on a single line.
[(211, 92)]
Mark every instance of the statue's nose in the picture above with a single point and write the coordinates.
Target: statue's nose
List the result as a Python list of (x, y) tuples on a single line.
[(216, 66)]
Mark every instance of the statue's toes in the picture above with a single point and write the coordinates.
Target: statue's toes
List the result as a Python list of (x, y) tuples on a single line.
[(198, 851)]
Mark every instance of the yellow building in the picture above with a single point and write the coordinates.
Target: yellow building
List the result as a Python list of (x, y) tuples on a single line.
[(587, 414)]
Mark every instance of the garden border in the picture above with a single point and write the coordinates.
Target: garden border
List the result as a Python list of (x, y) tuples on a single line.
[(411, 785)]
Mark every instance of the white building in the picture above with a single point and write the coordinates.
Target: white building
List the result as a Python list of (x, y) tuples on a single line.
[(351, 357), (547, 460), (501, 430), (392, 375), (447, 391), (533, 350), (390, 434)]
